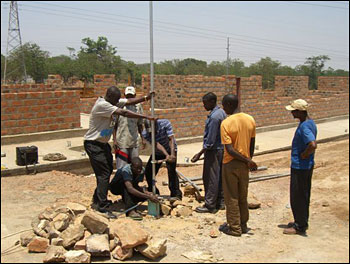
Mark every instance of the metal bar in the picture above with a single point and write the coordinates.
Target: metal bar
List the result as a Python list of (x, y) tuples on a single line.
[(189, 181)]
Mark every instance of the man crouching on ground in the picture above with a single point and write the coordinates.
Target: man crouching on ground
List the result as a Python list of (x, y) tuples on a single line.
[(126, 183)]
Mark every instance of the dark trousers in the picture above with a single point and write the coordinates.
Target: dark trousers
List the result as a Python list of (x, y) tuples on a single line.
[(300, 191), (119, 188), (214, 196), (173, 179), (101, 160)]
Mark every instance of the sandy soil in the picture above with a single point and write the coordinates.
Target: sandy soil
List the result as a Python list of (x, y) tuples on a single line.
[(327, 240)]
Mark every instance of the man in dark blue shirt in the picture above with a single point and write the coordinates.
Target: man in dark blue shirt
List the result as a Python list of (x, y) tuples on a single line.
[(213, 153), (166, 149), (126, 183), (303, 152)]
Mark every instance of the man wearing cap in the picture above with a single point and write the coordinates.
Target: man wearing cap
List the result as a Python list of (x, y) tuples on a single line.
[(303, 152), (125, 133)]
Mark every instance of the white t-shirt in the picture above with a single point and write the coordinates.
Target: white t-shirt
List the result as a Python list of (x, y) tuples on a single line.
[(102, 121)]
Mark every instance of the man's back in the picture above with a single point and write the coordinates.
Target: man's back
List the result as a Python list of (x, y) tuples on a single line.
[(238, 129)]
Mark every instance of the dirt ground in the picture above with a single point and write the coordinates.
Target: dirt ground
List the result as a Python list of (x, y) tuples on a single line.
[(327, 240)]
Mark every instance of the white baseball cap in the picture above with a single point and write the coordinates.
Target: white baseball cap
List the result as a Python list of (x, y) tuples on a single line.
[(130, 90), (299, 104)]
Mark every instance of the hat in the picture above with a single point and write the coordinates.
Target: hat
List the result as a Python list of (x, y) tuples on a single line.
[(130, 90), (299, 104)]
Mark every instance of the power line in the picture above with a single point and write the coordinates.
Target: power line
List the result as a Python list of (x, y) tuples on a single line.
[(295, 2)]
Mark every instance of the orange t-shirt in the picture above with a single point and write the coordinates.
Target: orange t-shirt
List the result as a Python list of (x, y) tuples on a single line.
[(237, 129)]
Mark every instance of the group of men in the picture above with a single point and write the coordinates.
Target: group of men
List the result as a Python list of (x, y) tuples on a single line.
[(228, 148)]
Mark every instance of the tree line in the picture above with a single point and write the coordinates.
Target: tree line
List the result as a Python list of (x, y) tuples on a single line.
[(98, 57)]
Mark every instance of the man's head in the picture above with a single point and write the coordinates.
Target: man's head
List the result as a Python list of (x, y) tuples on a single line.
[(113, 95), (230, 103), (209, 101), (298, 108), (136, 166), (130, 92)]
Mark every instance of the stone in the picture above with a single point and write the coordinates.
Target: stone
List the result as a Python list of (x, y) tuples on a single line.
[(214, 233), (77, 256), (165, 209), (325, 203), (95, 223), (76, 208), (38, 245), (53, 233), (55, 254), (176, 203), (254, 205), (129, 233), (54, 157), (113, 244), (39, 227), (48, 214), (61, 222), (26, 238), (57, 241), (80, 245), (199, 256), (98, 245), (174, 212), (153, 249), (122, 253), (184, 211), (189, 190), (72, 235)]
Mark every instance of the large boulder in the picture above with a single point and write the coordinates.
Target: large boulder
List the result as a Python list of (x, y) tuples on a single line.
[(153, 248), (95, 223), (55, 254), (72, 235), (77, 256), (129, 233), (98, 245), (38, 245)]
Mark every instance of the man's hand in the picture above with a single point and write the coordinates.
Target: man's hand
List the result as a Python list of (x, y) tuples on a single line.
[(170, 158), (195, 158), (149, 96), (153, 198), (252, 165)]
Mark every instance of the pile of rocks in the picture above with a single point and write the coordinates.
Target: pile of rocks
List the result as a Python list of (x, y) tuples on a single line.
[(73, 234)]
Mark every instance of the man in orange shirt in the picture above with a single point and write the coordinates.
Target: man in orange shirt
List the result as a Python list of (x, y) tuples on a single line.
[(238, 137)]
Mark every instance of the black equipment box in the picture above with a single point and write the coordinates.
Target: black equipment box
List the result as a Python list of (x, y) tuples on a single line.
[(26, 155)]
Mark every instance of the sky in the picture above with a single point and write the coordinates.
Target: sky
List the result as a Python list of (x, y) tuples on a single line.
[(286, 31)]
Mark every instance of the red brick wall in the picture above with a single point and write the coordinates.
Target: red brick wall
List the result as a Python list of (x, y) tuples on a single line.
[(29, 112), (291, 85), (326, 83), (102, 83), (86, 104), (20, 88)]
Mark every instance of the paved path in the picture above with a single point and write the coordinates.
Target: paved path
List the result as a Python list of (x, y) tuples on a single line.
[(72, 148)]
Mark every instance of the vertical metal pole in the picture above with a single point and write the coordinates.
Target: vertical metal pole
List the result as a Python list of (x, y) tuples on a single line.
[(228, 55), (152, 99)]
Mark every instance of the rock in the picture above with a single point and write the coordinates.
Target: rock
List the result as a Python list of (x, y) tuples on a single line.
[(39, 227), (176, 203), (72, 235), (54, 157), (189, 190), (95, 223), (57, 241), (165, 209), (48, 214), (38, 245), (113, 244), (129, 233), (174, 212), (153, 249), (254, 205), (80, 245), (76, 208), (122, 254), (199, 256), (61, 222), (55, 254), (26, 238), (77, 256), (184, 211), (325, 203), (53, 233), (214, 233), (98, 245)]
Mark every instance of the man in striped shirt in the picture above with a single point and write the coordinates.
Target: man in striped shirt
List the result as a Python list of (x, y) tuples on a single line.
[(166, 149)]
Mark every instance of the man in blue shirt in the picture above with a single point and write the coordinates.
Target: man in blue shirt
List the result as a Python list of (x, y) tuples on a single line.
[(213, 153), (303, 152), (126, 183), (166, 149)]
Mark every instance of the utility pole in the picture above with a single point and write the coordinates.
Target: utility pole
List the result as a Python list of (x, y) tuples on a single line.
[(14, 40), (228, 55)]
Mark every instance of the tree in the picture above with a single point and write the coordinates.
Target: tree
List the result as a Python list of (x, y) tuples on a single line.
[(315, 65), (266, 67), (62, 65)]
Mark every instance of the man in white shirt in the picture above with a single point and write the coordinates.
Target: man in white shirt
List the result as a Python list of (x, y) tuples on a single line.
[(102, 120)]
